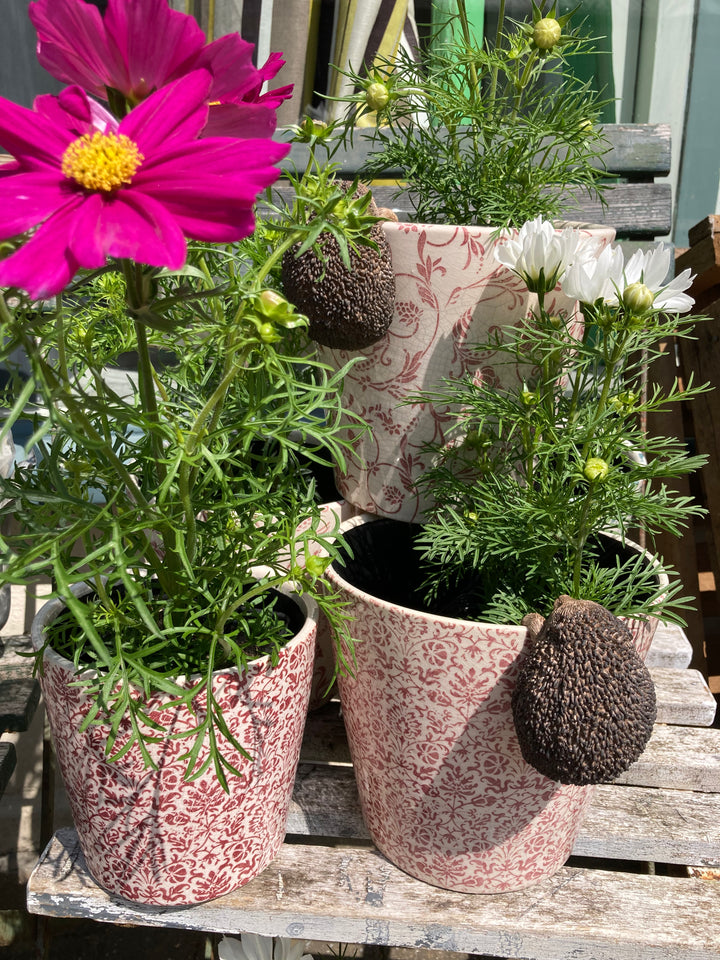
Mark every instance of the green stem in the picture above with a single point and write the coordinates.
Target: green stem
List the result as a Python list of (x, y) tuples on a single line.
[(498, 43), (467, 38)]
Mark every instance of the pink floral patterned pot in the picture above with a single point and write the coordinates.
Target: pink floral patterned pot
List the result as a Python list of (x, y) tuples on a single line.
[(147, 834), (450, 294), (444, 790)]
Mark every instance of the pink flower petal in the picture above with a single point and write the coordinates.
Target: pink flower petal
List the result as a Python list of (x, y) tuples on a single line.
[(244, 120), (72, 43), (126, 225), (152, 41), (44, 265), (229, 60), (31, 138), (175, 114), (27, 199), (72, 109)]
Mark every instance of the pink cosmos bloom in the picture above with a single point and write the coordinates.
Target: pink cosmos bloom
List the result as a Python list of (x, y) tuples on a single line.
[(97, 188), (139, 46)]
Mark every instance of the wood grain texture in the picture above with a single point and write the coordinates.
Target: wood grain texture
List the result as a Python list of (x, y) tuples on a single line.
[(357, 896), (624, 822), (636, 150), (642, 210), (19, 690), (8, 759), (680, 758), (670, 648), (683, 697)]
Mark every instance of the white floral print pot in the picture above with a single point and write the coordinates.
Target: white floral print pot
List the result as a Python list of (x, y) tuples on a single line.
[(451, 293), (147, 834), (444, 789)]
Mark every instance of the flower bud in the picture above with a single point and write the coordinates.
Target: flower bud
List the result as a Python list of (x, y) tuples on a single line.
[(377, 96), (596, 469), (529, 397), (637, 298), (546, 33), (316, 566), (267, 333)]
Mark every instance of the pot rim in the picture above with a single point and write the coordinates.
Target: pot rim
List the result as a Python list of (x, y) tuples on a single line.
[(52, 608), (338, 580), (411, 226)]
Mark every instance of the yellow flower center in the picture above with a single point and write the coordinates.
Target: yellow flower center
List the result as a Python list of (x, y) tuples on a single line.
[(101, 161)]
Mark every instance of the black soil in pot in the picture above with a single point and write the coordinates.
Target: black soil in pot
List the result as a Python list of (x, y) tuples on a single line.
[(381, 559)]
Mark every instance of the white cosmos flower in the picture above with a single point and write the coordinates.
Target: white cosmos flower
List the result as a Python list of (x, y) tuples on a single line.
[(251, 946), (596, 278), (539, 249), (651, 268)]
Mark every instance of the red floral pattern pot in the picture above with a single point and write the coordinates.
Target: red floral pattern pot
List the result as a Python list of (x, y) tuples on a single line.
[(444, 790), (450, 294), (147, 834)]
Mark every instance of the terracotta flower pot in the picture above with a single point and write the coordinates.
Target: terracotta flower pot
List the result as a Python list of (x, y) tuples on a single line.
[(444, 789), (451, 293), (147, 834)]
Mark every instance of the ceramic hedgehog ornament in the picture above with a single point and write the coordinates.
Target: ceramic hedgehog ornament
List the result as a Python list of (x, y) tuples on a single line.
[(584, 703), (347, 309)]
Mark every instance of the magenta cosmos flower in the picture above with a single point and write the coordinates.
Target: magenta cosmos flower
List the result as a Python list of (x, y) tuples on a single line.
[(97, 188), (139, 46)]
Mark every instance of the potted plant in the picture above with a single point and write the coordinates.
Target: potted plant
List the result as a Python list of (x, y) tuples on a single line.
[(171, 508), (496, 678), (486, 137)]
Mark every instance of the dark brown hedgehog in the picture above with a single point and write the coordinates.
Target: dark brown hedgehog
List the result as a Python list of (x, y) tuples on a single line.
[(347, 309), (584, 703)]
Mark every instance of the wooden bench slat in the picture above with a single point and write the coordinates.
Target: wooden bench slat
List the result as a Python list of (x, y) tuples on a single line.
[(680, 758), (670, 648), (683, 697), (624, 822), (637, 149), (356, 896), (8, 759), (19, 690), (634, 209)]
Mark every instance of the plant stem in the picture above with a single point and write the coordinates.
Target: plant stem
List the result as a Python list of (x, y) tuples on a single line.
[(498, 42)]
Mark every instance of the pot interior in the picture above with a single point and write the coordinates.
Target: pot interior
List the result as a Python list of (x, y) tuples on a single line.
[(380, 559)]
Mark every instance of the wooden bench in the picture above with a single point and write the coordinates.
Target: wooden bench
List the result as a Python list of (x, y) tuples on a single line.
[(637, 206), (626, 892)]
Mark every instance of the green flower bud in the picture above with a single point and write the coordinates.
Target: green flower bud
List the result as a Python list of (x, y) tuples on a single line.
[(267, 333), (595, 470), (529, 397), (316, 566), (377, 96), (546, 33), (638, 298), (309, 130)]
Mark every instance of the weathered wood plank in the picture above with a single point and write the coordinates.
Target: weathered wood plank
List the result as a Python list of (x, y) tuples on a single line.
[(8, 759), (670, 648), (357, 896), (19, 691), (624, 822), (664, 826), (680, 758), (683, 697), (637, 149), (634, 209)]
